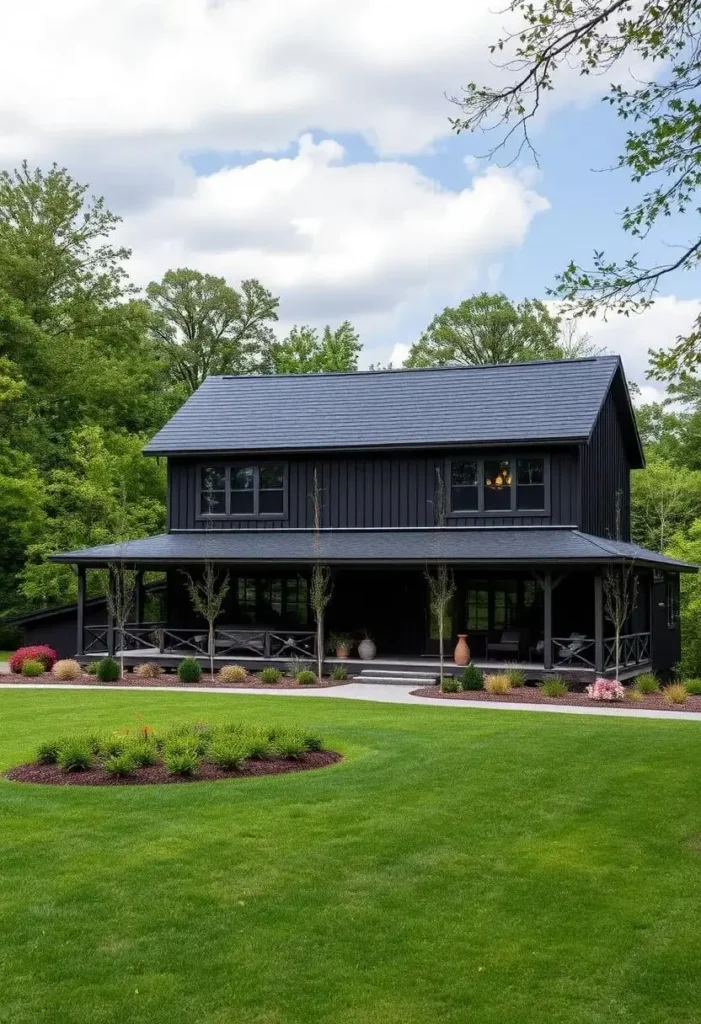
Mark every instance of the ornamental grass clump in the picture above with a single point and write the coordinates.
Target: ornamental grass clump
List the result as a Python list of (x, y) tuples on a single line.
[(289, 743), (270, 676), (516, 677), (181, 762), (451, 684), (554, 687), (189, 670), (75, 755), (339, 673), (647, 683), (306, 678), (32, 668), (67, 669), (675, 693), (120, 765), (472, 678), (143, 752), (107, 670), (497, 684), (606, 689), (148, 670), (229, 752), (47, 752), (233, 674)]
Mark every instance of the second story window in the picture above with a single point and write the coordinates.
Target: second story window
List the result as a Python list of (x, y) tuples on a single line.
[(530, 483), (242, 491), (464, 486), (497, 485)]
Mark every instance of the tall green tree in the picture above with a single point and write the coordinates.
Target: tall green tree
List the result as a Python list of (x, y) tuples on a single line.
[(202, 326), (661, 109), (488, 329), (303, 351)]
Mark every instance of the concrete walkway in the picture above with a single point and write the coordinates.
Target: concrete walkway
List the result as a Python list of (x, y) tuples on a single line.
[(383, 694)]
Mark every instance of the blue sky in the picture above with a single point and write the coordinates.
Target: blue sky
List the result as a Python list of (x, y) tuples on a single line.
[(307, 144)]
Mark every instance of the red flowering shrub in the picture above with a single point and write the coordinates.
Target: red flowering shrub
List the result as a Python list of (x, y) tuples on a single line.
[(40, 652)]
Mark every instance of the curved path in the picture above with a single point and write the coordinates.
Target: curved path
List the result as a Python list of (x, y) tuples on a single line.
[(385, 693)]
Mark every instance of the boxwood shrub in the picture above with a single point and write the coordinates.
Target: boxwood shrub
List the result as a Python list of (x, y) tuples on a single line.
[(189, 670), (107, 670)]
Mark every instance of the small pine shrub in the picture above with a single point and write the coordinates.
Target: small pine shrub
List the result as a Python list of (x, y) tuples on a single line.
[(339, 673), (233, 674), (306, 677), (647, 683), (148, 670), (516, 677), (75, 755), (472, 678), (107, 670), (693, 686), (497, 684), (38, 652), (67, 670), (47, 752), (181, 762), (270, 676), (229, 752), (189, 670), (451, 684), (675, 693), (32, 668), (120, 764), (554, 687)]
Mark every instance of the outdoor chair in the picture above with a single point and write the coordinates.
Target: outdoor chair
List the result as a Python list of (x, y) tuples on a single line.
[(509, 644)]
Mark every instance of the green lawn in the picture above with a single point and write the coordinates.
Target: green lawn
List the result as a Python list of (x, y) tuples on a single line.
[(5, 655), (459, 866)]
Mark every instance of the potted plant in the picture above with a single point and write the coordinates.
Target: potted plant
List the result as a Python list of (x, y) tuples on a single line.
[(341, 643), (366, 648)]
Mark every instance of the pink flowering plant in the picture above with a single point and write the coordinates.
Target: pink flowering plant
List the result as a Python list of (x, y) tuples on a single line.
[(606, 689)]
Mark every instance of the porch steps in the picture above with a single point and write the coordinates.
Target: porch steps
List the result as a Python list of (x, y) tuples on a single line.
[(414, 678)]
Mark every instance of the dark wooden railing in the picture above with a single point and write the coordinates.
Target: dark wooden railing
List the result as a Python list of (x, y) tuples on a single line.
[(261, 643), (580, 652), (634, 649)]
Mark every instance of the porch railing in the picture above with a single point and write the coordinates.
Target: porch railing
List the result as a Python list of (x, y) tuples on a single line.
[(262, 643), (580, 652)]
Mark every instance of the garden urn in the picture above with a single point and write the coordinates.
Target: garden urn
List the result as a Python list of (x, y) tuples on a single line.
[(462, 651), (367, 649)]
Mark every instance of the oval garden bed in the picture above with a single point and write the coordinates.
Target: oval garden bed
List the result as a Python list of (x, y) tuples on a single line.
[(190, 753)]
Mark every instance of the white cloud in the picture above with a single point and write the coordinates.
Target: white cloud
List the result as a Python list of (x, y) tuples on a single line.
[(334, 239), (240, 75)]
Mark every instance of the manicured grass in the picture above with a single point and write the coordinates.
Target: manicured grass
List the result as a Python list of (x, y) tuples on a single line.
[(458, 866), (5, 655)]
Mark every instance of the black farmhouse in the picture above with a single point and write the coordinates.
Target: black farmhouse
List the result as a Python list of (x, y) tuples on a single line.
[(515, 476)]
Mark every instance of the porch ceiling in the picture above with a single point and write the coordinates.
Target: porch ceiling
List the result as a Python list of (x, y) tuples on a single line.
[(457, 545)]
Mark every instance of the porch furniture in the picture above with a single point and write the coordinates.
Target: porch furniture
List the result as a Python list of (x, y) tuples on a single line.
[(572, 649), (535, 653), (508, 644)]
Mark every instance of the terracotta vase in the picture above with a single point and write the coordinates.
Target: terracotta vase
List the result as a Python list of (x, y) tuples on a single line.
[(462, 651), (342, 652)]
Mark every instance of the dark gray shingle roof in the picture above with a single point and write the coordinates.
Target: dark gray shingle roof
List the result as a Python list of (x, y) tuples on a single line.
[(517, 402), (358, 547)]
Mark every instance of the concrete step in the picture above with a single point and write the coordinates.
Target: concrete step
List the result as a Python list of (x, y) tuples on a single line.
[(399, 672), (404, 681)]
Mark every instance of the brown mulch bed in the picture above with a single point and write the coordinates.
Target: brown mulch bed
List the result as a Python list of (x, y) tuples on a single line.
[(169, 680), (51, 774), (531, 695)]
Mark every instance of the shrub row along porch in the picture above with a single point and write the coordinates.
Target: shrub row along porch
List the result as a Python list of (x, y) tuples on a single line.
[(535, 597)]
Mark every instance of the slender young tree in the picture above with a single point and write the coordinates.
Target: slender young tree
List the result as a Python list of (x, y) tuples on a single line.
[(320, 589), (121, 591), (441, 583), (620, 592)]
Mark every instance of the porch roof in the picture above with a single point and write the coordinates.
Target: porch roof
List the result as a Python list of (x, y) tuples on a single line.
[(457, 545)]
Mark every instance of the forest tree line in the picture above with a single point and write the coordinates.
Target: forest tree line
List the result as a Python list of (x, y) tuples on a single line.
[(91, 367)]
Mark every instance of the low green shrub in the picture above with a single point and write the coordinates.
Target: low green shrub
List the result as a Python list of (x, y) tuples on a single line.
[(107, 670), (195, 737), (189, 670), (120, 764), (233, 674), (47, 752), (675, 693), (181, 762), (554, 687), (339, 673), (647, 683), (91, 668), (472, 678), (110, 746), (516, 677), (229, 752), (313, 742), (270, 676), (142, 752), (451, 684), (693, 686), (32, 668), (289, 743), (306, 677), (260, 743), (75, 755), (497, 683)]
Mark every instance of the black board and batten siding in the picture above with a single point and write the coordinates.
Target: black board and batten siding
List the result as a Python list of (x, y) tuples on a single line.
[(368, 491), (605, 473)]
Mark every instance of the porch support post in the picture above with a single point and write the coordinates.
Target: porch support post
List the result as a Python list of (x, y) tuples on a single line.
[(110, 616), (80, 614), (599, 622), (548, 620), (139, 597)]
